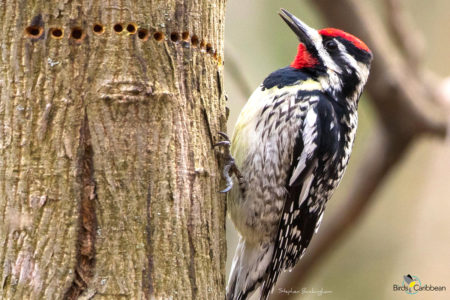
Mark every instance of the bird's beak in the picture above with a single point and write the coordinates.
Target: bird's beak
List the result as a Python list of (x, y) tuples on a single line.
[(305, 34)]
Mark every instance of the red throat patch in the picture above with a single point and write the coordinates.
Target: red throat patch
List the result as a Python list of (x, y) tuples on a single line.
[(333, 32), (303, 58)]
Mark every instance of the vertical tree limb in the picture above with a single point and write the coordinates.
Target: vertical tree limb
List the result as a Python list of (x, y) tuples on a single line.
[(407, 38), (108, 179)]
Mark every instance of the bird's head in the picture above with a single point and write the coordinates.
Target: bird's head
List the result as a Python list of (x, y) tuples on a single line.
[(345, 58)]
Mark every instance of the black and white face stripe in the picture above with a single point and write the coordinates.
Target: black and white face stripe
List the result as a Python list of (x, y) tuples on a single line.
[(345, 55), (349, 68), (358, 54)]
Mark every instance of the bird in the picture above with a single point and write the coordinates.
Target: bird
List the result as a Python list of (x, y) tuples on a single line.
[(409, 281), (290, 147)]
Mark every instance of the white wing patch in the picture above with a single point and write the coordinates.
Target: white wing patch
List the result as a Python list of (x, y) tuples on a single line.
[(318, 223), (305, 188), (309, 134)]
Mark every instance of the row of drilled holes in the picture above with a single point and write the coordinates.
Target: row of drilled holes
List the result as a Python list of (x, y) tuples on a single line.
[(78, 34)]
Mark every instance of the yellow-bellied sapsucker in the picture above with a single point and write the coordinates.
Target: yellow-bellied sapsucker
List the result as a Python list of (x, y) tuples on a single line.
[(291, 144)]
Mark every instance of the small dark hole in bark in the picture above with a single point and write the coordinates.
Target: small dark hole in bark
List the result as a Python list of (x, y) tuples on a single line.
[(143, 34), (98, 28), (34, 31), (159, 36), (185, 36), (77, 33), (209, 48), (194, 40), (131, 28), (174, 36), (56, 33), (118, 28)]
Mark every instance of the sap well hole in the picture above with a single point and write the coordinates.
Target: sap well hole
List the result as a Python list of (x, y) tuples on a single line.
[(77, 33), (131, 28), (174, 37), (56, 33), (98, 28), (34, 31), (118, 28), (143, 34), (209, 48), (194, 40), (158, 36)]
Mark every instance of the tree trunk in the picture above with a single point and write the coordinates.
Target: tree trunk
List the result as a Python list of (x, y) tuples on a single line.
[(108, 178)]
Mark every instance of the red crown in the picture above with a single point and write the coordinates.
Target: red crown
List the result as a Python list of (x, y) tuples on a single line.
[(351, 38)]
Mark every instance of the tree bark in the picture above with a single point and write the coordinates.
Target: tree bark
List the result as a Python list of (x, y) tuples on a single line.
[(108, 177)]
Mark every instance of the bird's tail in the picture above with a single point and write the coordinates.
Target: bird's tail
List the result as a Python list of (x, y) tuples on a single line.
[(248, 270)]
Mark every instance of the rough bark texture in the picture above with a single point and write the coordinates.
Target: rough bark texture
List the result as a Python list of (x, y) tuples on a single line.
[(108, 178)]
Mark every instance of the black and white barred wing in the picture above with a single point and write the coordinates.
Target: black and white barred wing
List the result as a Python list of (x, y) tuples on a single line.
[(301, 214)]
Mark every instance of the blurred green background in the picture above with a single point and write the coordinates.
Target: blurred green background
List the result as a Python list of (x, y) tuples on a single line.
[(407, 228)]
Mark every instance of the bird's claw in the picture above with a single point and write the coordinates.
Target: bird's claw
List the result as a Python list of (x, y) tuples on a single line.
[(227, 189), (229, 166), (226, 174), (225, 142), (224, 135), (222, 143)]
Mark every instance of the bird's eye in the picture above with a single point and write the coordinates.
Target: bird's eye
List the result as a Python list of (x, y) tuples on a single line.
[(331, 45)]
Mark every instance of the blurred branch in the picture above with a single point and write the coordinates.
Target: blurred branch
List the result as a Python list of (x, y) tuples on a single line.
[(407, 108), (406, 36)]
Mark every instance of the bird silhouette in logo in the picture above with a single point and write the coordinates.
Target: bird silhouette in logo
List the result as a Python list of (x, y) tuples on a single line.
[(409, 281)]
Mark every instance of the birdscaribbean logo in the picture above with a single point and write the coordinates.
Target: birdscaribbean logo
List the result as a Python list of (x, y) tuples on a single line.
[(412, 285)]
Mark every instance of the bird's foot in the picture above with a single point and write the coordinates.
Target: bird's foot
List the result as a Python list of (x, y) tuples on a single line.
[(229, 167)]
